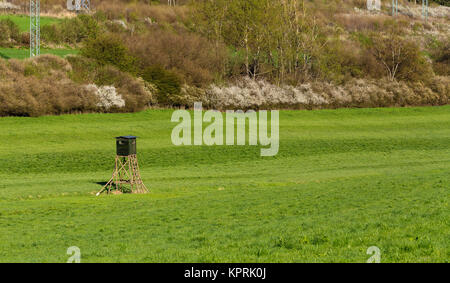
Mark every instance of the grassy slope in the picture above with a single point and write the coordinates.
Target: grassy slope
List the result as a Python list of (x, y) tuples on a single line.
[(343, 180), (23, 21), (22, 53)]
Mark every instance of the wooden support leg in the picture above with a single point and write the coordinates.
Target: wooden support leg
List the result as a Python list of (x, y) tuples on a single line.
[(126, 171)]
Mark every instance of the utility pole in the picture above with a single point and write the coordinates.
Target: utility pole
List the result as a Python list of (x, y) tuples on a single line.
[(35, 28)]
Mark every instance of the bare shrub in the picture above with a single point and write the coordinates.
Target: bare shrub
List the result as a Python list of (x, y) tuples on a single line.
[(355, 22), (190, 56), (137, 10), (30, 96), (48, 63), (43, 86), (401, 58)]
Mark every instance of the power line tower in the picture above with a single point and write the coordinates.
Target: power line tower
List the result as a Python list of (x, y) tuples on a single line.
[(35, 28), (394, 7), (425, 9), (79, 5)]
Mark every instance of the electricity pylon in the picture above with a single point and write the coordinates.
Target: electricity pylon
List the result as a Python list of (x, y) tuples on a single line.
[(425, 9), (78, 5), (35, 28), (394, 7)]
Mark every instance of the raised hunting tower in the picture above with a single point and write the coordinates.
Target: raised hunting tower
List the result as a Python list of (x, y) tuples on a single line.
[(126, 170), (126, 145)]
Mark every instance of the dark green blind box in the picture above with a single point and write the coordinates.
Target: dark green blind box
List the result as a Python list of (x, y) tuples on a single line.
[(126, 145)]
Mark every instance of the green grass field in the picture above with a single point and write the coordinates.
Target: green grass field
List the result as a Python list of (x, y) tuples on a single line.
[(343, 180), (23, 21), (22, 53)]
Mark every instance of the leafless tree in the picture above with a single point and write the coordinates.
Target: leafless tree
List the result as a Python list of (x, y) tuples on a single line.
[(392, 52)]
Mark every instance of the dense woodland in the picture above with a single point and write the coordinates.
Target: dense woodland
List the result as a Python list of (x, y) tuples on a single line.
[(255, 54)]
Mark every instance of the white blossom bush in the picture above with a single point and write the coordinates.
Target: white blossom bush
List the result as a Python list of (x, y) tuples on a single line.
[(108, 96), (259, 94), (248, 93)]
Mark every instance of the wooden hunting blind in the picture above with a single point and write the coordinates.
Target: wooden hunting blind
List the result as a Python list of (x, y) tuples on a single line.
[(126, 145), (126, 170)]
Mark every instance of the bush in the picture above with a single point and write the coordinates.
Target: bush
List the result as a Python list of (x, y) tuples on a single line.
[(443, 2), (9, 33), (355, 22), (137, 93), (71, 31), (108, 97), (259, 94), (43, 86), (109, 49), (84, 70), (193, 58), (24, 91), (167, 83), (133, 10), (441, 58), (340, 62), (400, 58)]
